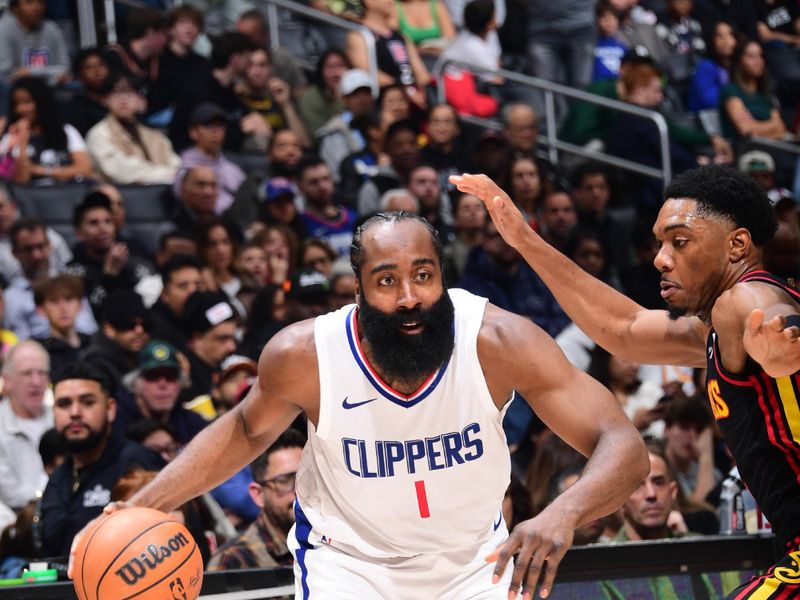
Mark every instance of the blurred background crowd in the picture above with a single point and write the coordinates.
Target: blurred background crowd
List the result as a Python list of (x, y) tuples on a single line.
[(172, 200)]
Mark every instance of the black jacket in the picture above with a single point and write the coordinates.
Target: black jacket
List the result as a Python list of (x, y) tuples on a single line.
[(61, 353), (104, 353), (97, 284), (64, 510)]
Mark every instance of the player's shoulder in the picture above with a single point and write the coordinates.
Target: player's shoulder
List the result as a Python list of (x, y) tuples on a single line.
[(502, 330), (292, 345)]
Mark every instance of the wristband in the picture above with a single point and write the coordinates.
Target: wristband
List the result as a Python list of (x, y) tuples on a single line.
[(792, 321)]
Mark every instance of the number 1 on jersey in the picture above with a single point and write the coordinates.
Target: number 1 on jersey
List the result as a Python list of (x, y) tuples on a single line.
[(422, 499)]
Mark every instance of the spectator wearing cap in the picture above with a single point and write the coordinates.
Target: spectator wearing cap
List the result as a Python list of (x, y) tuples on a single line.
[(760, 166), (182, 276), (322, 100), (337, 138), (152, 391), (270, 96), (308, 295), (323, 217), (246, 129), (124, 150), (211, 329), (279, 206), (283, 155), (124, 331), (59, 300), (207, 128), (104, 263), (32, 247), (236, 374)]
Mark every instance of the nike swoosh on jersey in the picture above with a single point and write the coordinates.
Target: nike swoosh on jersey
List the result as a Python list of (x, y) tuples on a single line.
[(349, 405)]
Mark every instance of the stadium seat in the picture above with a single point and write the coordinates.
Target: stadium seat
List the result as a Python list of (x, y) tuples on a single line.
[(146, 207), (53, 204)]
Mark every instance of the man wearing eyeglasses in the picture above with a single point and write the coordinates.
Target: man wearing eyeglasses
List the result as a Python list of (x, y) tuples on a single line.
[(263, 544), (23, 420), (151, 392)]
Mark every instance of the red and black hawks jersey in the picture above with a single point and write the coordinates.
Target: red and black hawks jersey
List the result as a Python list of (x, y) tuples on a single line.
[(760, 419)]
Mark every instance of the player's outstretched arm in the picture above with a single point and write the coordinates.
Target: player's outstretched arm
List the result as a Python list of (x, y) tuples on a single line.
[(610, 318), (517, 355), (761, 321), (281, 391)]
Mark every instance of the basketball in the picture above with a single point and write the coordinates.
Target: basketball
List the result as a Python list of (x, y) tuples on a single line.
[(138, 553)]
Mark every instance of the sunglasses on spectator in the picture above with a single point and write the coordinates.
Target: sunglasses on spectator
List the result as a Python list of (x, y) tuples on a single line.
[(168, 373)]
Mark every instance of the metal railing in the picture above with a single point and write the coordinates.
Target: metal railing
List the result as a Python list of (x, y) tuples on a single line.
[(779, 145), (550, 138), (323, 17)]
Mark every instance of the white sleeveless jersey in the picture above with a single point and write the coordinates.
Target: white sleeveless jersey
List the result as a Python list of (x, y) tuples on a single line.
[(393, 475)]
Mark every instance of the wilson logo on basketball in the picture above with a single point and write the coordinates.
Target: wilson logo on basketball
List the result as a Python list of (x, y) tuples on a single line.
[(137, 567)]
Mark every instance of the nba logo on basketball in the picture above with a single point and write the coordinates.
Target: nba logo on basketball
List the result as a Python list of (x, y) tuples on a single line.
[(176, 587)]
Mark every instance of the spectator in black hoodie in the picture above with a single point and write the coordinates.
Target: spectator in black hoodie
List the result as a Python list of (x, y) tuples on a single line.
[(104, 263), (87, 106), (181, 276), (124, 328)]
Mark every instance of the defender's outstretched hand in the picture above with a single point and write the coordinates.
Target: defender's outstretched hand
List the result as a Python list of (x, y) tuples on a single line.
[(541, 542), (773, 344), (506, 216)]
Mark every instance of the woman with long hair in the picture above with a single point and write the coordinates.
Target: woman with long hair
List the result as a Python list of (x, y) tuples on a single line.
[(323, 100), (748, 107), (526, 185), (217, 249), (39, 146), (398, 59), (713, 72)]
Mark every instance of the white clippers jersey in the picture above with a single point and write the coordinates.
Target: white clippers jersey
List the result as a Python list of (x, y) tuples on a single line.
[(393, 475)]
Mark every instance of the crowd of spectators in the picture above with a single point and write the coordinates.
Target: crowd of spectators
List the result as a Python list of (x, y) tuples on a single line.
[(117, 348)]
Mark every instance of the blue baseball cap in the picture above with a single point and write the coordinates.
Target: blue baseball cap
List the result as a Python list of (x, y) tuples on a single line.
[(277, 187)]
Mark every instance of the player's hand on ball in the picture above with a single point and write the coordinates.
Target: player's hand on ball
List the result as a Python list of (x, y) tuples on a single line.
[(773, 344), (541, 543), (506, 216), (76, 541)]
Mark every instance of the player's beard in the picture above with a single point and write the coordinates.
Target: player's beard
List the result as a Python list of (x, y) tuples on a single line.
[(91, 441), (402, 356)]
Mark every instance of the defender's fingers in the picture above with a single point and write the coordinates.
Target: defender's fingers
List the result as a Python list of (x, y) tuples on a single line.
[(526, 560), (549, 576)]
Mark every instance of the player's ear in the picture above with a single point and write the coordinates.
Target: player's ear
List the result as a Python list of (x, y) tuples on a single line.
[(739, 244)]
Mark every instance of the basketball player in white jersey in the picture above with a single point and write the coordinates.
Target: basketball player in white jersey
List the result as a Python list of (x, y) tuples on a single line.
[(402, 480)]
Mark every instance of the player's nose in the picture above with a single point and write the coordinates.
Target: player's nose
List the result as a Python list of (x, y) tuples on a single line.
[(407, 296), (663, 260)]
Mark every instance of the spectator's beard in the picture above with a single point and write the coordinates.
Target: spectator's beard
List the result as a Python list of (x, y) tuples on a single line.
[(94, 439), (406, 357)]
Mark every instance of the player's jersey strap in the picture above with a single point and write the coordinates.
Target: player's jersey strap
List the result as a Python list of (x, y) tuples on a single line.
[(760, 417)]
